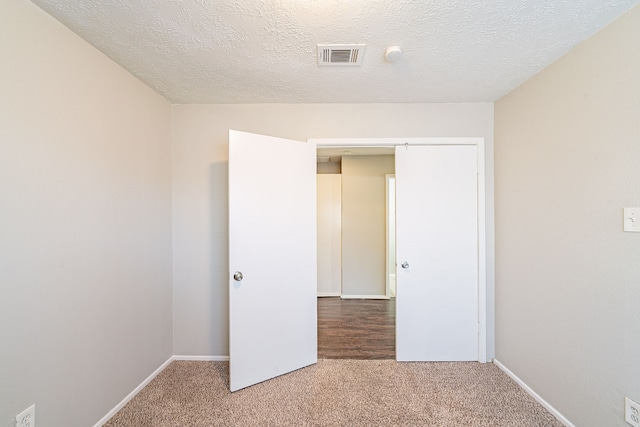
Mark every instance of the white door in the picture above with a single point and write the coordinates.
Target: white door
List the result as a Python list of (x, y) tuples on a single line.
[(272, 245), (437, 253)]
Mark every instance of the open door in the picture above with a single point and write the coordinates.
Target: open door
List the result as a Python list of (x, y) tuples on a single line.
[(272, 257), (437, 253)]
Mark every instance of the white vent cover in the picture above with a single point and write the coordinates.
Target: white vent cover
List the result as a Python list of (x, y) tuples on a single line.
[(341, 54)]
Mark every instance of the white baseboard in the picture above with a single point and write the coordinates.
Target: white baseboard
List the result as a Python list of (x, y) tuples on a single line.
[(155, 373), (364, 297), (535, 395), (328, 294), (131, 395), (203, 358)]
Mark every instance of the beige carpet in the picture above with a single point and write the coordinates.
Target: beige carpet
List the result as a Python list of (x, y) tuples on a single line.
[(337, 393)]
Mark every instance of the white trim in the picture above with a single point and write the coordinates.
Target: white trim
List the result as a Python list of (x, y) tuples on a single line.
[(364, 297), (535, 395), (482, 255), (390, 142), (203, 358), (328, 294), (483, 342), (131, 395)]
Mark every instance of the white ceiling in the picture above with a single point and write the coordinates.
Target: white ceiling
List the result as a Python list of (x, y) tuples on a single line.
[(264, 51)]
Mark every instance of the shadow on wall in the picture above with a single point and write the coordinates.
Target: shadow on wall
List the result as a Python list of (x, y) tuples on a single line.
[(219, 254)]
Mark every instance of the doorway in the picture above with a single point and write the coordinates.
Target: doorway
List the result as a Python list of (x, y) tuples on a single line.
[(436, 179), (428, 174), (356, 249), (356, 230)]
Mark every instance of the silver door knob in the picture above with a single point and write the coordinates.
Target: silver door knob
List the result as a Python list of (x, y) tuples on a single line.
[(404, 264), (237, 276)]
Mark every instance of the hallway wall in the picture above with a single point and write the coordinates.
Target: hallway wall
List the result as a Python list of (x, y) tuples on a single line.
[(363, 224)]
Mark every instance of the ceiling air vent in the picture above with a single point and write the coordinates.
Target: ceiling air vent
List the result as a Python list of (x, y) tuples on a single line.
[(340, 54)]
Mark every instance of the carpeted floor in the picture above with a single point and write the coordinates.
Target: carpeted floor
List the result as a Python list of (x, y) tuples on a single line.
[(337, 393)]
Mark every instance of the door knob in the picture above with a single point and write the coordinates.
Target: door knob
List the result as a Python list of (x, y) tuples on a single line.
[(237, 276), (404, 264)]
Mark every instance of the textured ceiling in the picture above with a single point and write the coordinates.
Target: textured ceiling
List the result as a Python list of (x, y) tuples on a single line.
[(264, 51)]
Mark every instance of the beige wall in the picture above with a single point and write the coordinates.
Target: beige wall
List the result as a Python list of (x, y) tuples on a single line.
[(200, 156), (85, 220), (567, 161), (363, 224), (329, 208)]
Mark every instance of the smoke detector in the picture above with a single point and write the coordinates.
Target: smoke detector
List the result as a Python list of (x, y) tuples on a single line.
[(393, 53), (341, 54)]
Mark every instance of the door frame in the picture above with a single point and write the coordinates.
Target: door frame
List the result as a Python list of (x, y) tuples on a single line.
[(482, 232)]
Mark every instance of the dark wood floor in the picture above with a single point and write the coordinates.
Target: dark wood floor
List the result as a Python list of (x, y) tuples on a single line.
[(356, 329)]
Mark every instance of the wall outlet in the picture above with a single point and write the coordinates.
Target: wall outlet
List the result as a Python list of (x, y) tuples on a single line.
[(631, 412), (27, 418)]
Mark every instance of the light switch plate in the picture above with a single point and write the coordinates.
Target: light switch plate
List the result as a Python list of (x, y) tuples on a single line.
[(632, 219)]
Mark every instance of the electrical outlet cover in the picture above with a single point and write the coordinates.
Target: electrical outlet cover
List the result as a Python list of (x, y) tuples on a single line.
[(631, 412), (27, 418)]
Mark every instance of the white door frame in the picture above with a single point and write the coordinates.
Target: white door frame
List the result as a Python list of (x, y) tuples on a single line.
[(482, 238)]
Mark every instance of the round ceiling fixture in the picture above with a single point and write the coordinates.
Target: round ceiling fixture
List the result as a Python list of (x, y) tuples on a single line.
[(393, 53)]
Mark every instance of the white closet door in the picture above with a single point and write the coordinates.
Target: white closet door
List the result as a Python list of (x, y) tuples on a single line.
[(272, 254), (437, 253)]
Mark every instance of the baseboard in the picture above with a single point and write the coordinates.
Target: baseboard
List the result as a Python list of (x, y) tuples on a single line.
[(203, 358), (364, 297), (155, 373), (535, 395), (328, 294), (131, 395)]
